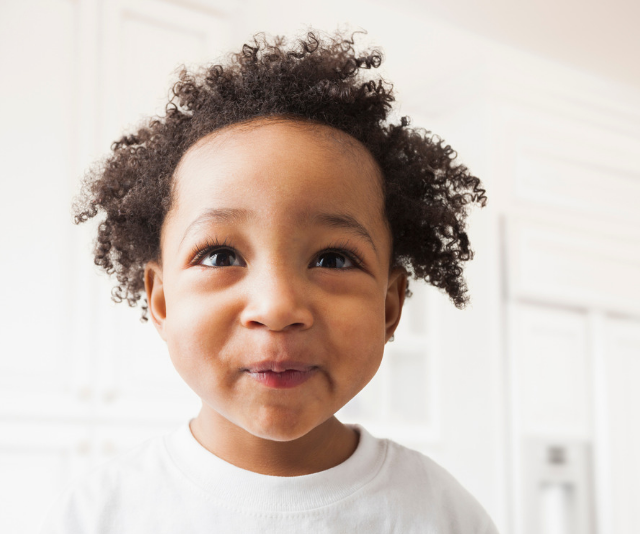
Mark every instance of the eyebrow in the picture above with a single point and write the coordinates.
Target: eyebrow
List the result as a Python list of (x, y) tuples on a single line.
[(344, 221), (239, 215)]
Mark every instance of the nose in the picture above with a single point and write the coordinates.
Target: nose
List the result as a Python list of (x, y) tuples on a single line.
[(277, 301)]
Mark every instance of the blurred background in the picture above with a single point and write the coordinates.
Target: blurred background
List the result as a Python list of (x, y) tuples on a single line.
[(529, 397)]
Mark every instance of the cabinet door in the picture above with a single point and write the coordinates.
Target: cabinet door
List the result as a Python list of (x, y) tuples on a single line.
[(621, 366), (551, 418), (36, 150), (551, 367)]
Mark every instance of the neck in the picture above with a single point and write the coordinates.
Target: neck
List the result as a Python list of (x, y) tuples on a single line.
[(327, 445)]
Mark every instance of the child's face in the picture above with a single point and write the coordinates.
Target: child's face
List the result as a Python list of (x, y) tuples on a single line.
[(271, 294)]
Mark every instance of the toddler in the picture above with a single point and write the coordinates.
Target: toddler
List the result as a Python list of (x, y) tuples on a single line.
[(272, 219)]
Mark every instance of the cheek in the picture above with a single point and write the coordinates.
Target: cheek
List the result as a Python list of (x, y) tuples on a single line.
[(359, 316), (197, 329), (358, 333)]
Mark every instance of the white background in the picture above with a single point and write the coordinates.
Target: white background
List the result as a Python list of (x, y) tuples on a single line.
[(529, 396)]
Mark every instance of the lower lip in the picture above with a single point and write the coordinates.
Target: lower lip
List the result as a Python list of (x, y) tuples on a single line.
[(286, 379)]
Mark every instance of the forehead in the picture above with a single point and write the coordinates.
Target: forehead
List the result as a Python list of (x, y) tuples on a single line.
[(276, 165)]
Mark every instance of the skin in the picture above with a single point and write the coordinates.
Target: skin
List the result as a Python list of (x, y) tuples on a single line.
[(272, 293)]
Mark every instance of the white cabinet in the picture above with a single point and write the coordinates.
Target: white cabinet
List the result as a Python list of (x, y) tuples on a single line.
[(81, 379), (620, 476), (571, 249), (36, 148)]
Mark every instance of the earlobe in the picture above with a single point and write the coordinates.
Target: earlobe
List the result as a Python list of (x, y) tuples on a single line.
[(394, 300), (155, 296)]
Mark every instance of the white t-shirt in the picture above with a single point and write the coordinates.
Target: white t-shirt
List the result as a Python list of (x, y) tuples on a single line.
[(173, 485)]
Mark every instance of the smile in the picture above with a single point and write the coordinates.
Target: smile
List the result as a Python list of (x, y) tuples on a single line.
[(285, 379)]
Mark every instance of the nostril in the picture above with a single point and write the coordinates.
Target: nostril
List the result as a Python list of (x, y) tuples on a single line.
[(292, 326), (276, 315)]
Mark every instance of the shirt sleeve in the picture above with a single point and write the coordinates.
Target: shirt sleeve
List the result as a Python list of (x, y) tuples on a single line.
[(64, 517), (85, 507)]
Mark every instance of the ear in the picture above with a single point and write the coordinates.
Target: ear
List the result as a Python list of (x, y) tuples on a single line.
[(155, 296), (394, 300)]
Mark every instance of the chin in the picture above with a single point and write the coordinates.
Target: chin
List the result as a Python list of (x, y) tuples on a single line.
[(279, 427)]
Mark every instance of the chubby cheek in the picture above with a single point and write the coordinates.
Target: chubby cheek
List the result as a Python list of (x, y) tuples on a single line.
[(358, 332), (197, 331)]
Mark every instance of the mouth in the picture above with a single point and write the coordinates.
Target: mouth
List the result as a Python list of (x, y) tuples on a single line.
[(283, 374), (278, 366)]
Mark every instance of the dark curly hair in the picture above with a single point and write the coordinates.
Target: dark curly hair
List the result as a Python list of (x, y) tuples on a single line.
[(318, 79)]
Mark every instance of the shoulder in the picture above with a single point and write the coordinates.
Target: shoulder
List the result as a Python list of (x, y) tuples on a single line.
[(125, 469), (435, 490), (96, 497)]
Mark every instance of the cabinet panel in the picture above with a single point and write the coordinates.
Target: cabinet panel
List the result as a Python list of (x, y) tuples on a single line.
[(36, 151), (550, 358), (590, 264), (622, 376), (145, 41), (577, 183), (560, 164)]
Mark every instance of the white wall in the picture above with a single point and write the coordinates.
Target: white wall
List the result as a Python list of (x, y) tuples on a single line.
[(541, 365)]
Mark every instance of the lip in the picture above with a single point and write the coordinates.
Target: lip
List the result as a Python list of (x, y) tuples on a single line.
[(278, 366), (281, 374)]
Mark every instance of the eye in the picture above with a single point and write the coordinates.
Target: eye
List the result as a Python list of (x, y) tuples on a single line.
[(332, 259), (215, 253), (220, 257)]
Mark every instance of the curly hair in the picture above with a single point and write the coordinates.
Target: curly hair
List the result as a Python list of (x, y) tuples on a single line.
[(317, 79)]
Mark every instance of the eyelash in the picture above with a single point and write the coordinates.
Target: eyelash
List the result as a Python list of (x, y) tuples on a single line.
[(340, 247), (199, 251)]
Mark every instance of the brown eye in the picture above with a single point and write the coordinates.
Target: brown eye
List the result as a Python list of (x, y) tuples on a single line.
[(334, 260), (220, 258)]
